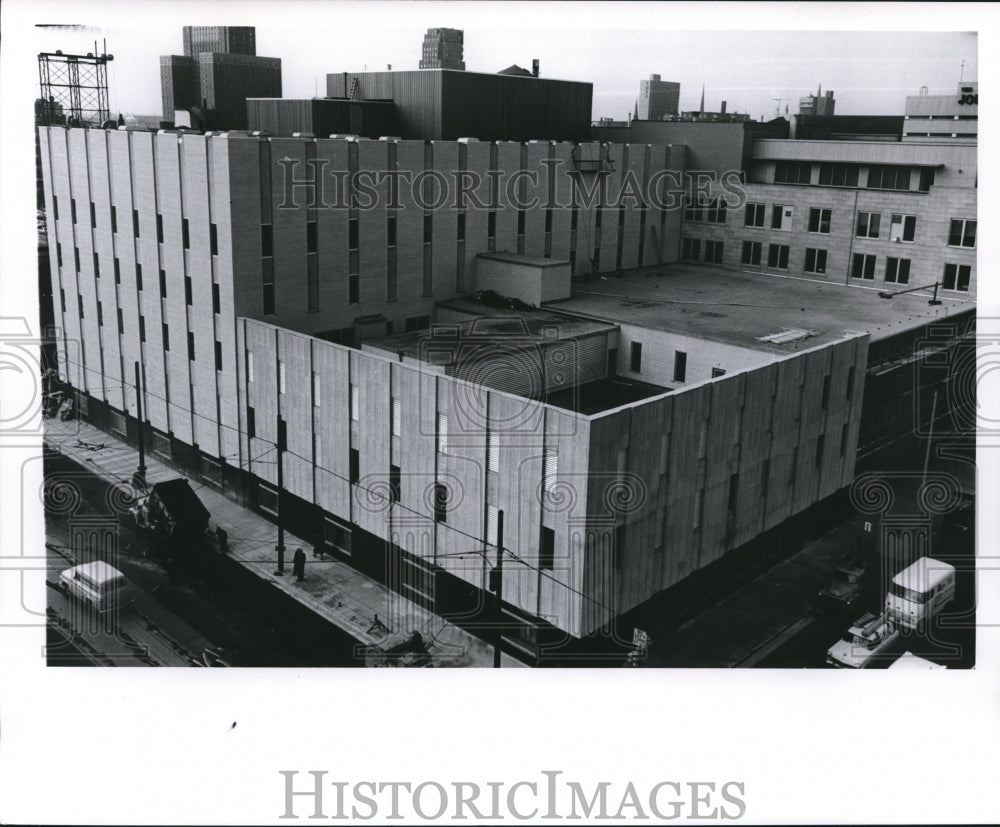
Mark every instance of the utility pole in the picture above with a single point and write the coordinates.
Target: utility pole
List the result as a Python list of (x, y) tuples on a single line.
[(139, 475), (280, 571), (497, 577)]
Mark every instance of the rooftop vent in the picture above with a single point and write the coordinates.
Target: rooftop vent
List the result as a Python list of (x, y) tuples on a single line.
[(788, 334)]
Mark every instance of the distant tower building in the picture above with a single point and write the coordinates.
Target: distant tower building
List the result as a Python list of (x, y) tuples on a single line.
[(657, 98), (818, 104), (443, 49), (216, 74), (229, 40)]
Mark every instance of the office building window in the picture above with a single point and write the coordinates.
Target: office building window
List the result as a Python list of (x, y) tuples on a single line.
[(635, 363), (753, 215), (680, 366), (218, 355), (121, 322), (888, 177), (135, 223), (138, 276), (440, 503), (159, 228), (868, 224), (72, 210), (266, 241), (118, 271), (820, 442), (792, 172), (114, 219), (717, 372), (956, 277), (352, 234), (163, 283), (781, 217), (442, 433), (902, 227), (461, 224), (751, 252), (550, 470), (251, 422), (353, 288), (962, 233), (213, 239), (55, 207), (396, 425), (59, 254), (311, 237), (142, 328), (713, 252), (250, 370), (844, 432), (355, 404), (547, 549), (267, 299), (317, 398), (185, 234), (777, 256), (354, 471), (863, 266), (716, 213), (190, 338), (395, 483), (838, 175), (825, 398), (166, 336), (282, 377), (188, 292), (815, 260), (216, 301), (76, 258), (312, 284), (100, 314), (97, 266), (897, 270), (690, 249), (819, 220)]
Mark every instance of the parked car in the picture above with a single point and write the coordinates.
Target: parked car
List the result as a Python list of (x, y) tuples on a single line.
[(102, 586), (870, 637), (846, 589)]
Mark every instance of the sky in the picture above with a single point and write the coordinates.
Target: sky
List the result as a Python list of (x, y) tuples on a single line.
[(752, 67)]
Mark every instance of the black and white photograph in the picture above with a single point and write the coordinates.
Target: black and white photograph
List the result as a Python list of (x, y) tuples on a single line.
[(631, 362)]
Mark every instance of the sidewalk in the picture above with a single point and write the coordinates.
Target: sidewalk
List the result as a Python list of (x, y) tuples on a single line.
[(332, 589)]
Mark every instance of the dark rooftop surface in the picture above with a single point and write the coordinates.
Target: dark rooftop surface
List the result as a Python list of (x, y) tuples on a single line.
[(738, 307), (603, 395)]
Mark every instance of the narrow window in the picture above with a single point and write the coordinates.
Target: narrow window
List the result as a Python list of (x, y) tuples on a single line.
[(636, 360), (213, 239), (355, 466), (680, 366)]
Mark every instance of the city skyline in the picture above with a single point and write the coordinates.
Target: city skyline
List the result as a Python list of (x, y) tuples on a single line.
[(758, 75)]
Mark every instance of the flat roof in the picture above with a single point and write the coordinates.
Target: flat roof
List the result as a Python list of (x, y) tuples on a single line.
[(492, 323), (738, 307), (522, 258)]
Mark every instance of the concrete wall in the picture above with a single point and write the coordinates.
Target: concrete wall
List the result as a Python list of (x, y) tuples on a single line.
[(533, 284), (709, 467)]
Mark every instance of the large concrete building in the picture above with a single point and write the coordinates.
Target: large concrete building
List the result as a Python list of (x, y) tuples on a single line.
[(443, 49), (657, 98), (943, 118), (632, 430), (891, 215), (216, 74), (446, 104)]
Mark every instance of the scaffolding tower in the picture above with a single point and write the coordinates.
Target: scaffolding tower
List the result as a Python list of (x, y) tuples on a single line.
[(74, 88)]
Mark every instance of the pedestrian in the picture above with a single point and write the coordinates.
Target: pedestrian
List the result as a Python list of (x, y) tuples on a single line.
[(299, 564)]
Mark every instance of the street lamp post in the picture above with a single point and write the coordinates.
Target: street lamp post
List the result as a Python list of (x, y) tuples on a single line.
[(496, 583)]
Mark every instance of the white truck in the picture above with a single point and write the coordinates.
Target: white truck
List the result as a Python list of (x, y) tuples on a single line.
[(870, 637)]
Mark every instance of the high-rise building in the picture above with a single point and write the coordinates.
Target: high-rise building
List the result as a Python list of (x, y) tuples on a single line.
[(443, 49), (818, 104), (230, 40), (658, 98), (216, 74)]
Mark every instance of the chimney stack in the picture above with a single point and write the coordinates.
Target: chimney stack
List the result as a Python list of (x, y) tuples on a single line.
[(723, 110), (534, 67)]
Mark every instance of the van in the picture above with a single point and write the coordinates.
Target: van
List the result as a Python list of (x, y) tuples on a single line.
[(96, 583), (919, 592)]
